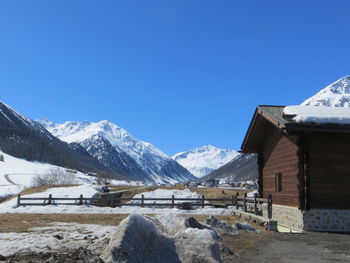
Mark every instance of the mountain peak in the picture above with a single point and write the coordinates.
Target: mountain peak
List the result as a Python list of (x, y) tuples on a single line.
[(156, 166), (202, 160), (336, 94)]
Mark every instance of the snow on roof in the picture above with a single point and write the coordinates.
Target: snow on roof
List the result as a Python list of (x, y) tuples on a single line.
[(318, 114)]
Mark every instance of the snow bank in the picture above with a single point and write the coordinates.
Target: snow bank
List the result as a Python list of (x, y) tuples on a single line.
[(164, 193), (318, 114), (10, 207), (63, 236)]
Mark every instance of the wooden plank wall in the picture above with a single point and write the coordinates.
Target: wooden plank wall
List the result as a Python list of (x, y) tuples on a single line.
[(329, 166), (280, 155)]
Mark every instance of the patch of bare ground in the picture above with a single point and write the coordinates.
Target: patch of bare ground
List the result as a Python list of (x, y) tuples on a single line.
[(135, 191), (218, 192), (23, 222)]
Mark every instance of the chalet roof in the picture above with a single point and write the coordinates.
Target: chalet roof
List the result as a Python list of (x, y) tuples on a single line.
[(265, 115)]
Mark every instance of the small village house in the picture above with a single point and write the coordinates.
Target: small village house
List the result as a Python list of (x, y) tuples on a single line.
[(304, 163)]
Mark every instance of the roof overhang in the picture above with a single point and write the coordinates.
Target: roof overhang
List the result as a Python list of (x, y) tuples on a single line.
[(268, 118)]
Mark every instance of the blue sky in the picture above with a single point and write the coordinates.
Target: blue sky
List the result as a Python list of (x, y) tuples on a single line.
[(179, 74)]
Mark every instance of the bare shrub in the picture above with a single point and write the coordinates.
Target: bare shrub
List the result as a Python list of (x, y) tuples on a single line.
[(54, 176), (2, 158)]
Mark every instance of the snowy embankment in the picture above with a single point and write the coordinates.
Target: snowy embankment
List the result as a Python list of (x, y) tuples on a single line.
[(91, 191), (165, 193), (163, 238), (17, 174)]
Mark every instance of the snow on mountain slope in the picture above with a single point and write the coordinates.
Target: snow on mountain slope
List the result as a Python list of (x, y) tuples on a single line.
[(156, 166), (203, 160), (16, 174), (24, 138), (335, 95)]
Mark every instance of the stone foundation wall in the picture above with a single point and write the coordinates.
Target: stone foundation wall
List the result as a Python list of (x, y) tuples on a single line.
[(331, 220), (288, 216)]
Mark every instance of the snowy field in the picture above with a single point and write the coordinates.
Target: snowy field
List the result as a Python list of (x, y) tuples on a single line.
[(17, 174), (91, 191), (164, 193)]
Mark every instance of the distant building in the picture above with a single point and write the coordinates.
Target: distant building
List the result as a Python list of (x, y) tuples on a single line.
[(305, 166), (212, 183)]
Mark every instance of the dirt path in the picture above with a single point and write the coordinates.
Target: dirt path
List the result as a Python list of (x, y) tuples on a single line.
[(301, 248)]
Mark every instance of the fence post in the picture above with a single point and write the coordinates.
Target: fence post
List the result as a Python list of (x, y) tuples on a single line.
[(237, 206), (50, 199), (142, 200), (81, 200), (202, 201), (112, 201), (269, 206), (255, 204), (18, 200), (172, 201), (245, 202)]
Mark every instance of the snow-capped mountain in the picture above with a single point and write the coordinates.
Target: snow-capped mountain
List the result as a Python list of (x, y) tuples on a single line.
[(203, 160), (335, 95), (24, 138), (113, 145)]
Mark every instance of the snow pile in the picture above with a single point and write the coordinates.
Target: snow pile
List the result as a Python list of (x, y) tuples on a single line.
[(60, 236), (245, 227), (172, 224), (220, 226), (318, 114), (252, 193), (335, 95), (202, 160), (164, 193), (139, 239)]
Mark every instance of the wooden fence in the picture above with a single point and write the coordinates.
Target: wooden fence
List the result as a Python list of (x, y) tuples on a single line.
[(241, 202)]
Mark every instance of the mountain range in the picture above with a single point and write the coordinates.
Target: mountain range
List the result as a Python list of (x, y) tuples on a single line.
[(101, 147), (104, 147), (336, 94), (24, 138), (119, 150), (203, 160)]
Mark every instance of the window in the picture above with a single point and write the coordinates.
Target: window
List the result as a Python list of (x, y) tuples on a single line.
[(278, 182)]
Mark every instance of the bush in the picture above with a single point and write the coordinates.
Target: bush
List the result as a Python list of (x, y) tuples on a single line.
[(2, 158), (54, 177)]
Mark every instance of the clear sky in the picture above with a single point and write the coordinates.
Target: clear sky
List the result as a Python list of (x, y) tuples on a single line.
[(177, 73)]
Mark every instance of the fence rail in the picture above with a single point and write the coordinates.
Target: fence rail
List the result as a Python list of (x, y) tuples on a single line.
[(242, 202)]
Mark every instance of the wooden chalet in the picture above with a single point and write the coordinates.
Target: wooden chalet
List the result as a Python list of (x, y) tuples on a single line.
[(305, 167)]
